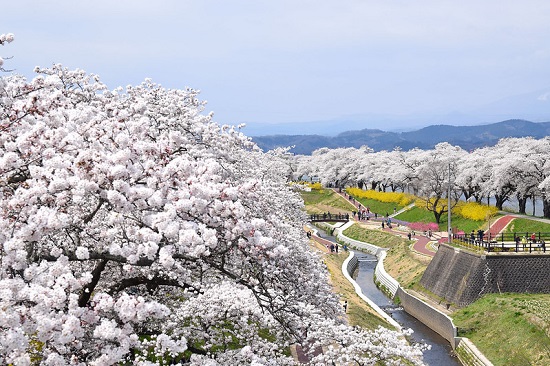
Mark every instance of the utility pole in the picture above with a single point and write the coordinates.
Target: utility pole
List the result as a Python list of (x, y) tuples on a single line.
[(449, 229)]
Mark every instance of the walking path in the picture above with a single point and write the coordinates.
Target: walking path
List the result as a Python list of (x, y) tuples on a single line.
[(422, 242), (499, 225)]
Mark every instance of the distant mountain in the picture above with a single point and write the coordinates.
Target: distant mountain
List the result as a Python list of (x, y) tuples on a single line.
[(467, 137)]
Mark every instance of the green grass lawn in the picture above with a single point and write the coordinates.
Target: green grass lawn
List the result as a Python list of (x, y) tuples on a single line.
[(381, 208), (318, 200), (510, 329), (527, 226), (418, 214), (381, 238)]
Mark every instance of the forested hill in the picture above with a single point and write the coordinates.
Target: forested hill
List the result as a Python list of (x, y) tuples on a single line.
[(467, 137)]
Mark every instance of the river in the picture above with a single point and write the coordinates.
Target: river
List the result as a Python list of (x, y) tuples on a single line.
[(440, 352)]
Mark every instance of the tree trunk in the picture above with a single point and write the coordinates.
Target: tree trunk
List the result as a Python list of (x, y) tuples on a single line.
[(478, 198), (437, 216), (546, 208), (522, 201), (500, 201)]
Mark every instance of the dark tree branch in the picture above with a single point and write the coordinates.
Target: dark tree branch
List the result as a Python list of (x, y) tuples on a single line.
[(89, 288), (151, 284)]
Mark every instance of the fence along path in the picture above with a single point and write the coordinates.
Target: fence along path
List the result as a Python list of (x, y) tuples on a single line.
[(495, 239)]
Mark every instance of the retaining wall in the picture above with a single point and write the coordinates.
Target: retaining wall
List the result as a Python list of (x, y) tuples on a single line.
[(462, 277), (383, 277), (431, 317)]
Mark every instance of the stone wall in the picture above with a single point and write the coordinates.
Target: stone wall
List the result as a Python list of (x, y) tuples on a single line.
[(461, 277)]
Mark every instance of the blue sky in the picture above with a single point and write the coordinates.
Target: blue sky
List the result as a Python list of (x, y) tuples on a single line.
[(279, 64)]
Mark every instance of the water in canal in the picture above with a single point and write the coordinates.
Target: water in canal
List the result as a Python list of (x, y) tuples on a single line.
[(440, 353)]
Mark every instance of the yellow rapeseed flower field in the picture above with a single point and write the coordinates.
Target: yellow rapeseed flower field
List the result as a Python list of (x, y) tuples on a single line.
[(402, 199)]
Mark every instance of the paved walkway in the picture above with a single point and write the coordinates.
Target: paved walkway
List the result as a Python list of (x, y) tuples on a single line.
[(500, 224), (421, 244)]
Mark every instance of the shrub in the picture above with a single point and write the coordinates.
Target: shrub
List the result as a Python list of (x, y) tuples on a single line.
[(315, 186), (424, 226), (402, 199), (474, 211)]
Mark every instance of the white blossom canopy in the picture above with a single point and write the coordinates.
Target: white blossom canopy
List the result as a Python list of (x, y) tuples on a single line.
[(135, 229)]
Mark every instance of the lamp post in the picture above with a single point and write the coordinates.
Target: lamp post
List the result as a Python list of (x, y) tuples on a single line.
[(449, 229)]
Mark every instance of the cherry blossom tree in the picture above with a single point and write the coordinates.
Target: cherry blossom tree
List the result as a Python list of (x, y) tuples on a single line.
[(363, 161), (438, 170), (539, 170), (473, 171), (502, 182), (134, 229), (525, 171), (329, 166), (408, 163)]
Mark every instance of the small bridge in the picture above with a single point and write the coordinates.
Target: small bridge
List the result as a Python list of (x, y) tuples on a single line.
[(328, 217)]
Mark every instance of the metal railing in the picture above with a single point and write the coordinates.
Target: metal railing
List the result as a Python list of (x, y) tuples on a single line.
[(329, 217), (507, 242)]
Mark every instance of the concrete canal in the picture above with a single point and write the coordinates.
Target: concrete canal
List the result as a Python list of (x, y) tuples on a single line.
[(440, 352)]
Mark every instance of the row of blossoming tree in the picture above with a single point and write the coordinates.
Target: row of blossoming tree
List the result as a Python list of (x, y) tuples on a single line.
[(514, 167), (136, 230)]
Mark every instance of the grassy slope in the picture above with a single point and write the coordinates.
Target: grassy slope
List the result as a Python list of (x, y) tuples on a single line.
[(325, 200), (527, 226), (417, 214), (382, 208), (510, 329)]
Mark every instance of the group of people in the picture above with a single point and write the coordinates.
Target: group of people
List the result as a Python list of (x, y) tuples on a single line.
[(363, 213), (524, 241)]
